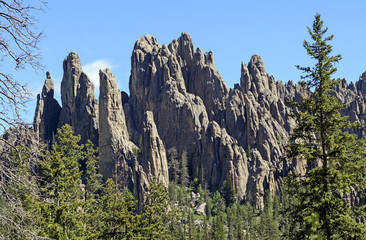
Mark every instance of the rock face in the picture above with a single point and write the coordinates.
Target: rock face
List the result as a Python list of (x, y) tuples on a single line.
[(119, 158), (47, 111), (180, 104), (79, 106), (153, 159), (114, 144)]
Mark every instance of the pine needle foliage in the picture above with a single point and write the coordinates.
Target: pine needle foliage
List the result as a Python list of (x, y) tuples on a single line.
[(320, 204)]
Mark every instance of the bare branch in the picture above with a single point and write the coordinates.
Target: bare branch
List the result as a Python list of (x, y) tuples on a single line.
[(19, 38)]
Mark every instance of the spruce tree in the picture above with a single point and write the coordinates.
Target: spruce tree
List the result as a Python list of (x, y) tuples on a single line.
[(117, 220), (92, 192), (156, 214), (318, 207), (269, 227), (60, 208)]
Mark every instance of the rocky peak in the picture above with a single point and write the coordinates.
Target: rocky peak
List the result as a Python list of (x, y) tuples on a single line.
[(70, 80), (180, 104), (117, 154), (186, 49), (146, 44), (110, 101), (153, 151), (254, 78), (209, 59), (114, 145), (361, 84), (48, 87), (47, 112), (79, 106)]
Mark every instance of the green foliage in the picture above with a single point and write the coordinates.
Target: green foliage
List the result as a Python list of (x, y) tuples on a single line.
[(218, 231), (318, 206), (248, 152), (155, 216), (228, 192), (17, 185), (60, 209), (217, 204), (269, 224), (183, 170), (279, 138), (116, 217), (93, 179), (92, 191)]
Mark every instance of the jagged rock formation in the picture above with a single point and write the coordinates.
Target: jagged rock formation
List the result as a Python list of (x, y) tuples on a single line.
[(113, 136), (79, 106), (119, 158), (47, 112), (195, 112), (180, 104), (153, 159)]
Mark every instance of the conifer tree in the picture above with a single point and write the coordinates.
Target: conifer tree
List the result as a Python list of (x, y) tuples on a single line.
[(17, 186), (92, 192), (155, 216), (183, 170), (116, 217), (318, 199), (60, 209), (268, 222), (228, 192), (218, 229)]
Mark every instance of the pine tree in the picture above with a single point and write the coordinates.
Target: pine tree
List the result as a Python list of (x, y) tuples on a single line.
[(218, 229), (116, 217), (183, 170), (156, 214), (191, 227), (60, 209), (92, 192), (268, 223), (228, 192), (318, 199), (217, 204), (18, 185)]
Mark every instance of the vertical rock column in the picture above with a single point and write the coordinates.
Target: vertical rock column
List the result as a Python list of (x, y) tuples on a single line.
[(79, 106), (47, 111), (114, 145), (154, 161)]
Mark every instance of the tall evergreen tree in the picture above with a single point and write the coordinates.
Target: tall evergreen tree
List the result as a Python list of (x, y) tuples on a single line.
[(92, 192), (319, 208), (18, 185), (156, 214), (268, 222), (228, 191), (60, 209), (116, 217), (218, 229), (183, 170)]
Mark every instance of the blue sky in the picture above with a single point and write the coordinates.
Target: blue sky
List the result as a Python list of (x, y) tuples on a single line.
[(103, 33)]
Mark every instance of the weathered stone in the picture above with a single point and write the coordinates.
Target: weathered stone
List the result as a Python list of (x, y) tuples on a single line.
[(154, 159), (79, 106), (179, 104), (114, 145), (47, 112), (201, 209)]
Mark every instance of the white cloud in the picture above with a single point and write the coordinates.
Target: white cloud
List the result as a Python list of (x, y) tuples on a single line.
[(92, 70)]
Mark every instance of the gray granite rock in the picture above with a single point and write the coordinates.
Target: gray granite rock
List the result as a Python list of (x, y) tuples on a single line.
[(79, 106), (47, 112)]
